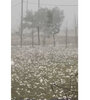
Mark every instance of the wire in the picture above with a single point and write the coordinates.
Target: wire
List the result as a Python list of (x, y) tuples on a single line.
[(17, 4), (50, 4), (35, 4)]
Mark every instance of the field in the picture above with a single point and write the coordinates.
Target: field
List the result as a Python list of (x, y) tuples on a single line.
[(42, 73), (44, 57)]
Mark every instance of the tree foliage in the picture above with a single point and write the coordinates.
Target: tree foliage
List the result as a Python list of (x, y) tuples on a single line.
[(49, 20)]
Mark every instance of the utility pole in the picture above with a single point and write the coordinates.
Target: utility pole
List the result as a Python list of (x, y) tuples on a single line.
[(27, 6), (38, 26), (21, 21), (38, 4), (76, 31)]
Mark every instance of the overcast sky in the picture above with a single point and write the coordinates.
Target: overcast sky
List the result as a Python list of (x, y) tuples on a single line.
[(70, 12)]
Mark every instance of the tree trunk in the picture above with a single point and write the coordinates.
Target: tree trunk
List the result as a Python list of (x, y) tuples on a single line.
[(32, 38), (44, 39), (38, 36), (54, 42), (66, 35), (66, 38)]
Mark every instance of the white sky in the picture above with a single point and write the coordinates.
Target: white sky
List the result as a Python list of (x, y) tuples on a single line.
[(70, 12)]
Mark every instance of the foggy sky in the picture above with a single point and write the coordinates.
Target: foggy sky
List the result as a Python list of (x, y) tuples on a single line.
[(70, 12)]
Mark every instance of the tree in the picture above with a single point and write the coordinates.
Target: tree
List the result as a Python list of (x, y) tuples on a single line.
[(55, 19), (40, 21), (48, 21), (40, 16), (29, 23)]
